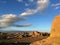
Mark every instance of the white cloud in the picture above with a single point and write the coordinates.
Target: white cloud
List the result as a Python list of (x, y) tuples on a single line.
[(20, 0), (31, 0), (26, 4), (57, 7), (57, 4), (9, 20), (28, 12), (41, 4), (23, 25)]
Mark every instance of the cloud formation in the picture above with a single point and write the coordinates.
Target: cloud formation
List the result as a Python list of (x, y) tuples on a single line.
[(28, 12), (41, 5), (31, 0), (57, 5), (26, 4), (23, 25), (20, 0), (9, 20)]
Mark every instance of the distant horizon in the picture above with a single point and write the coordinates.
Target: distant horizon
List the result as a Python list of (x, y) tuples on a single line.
[(22, 30)]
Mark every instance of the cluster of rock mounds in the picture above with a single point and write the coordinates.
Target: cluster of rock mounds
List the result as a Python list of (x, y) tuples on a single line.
[(36, 34), (22, 35), (54, 38)]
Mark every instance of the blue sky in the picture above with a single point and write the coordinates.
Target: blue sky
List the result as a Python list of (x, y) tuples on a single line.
[(41, 20)]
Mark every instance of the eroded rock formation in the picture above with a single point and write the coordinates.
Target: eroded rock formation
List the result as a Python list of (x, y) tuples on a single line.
[(34, 34)]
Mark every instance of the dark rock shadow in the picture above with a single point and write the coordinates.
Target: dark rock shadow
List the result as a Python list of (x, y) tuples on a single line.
[(14, 43)]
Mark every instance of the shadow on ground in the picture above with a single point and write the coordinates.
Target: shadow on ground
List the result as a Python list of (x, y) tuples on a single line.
[(14, 43)]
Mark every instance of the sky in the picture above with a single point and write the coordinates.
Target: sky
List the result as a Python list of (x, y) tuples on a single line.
[(28, 15)]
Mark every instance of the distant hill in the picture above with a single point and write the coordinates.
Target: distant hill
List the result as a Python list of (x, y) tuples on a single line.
[(15, 31)]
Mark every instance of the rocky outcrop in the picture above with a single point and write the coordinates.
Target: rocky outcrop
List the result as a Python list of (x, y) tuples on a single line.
[(54, 38), (18, 36), (55, 32), (34, 34), (45, 34)]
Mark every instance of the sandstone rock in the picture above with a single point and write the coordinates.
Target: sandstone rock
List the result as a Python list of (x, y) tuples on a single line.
[(34, 34), (55, 31), (25, 34), (18, 36), (54, 38)]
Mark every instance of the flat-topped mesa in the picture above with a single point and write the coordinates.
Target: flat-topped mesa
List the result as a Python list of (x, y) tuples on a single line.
[(55, 30)]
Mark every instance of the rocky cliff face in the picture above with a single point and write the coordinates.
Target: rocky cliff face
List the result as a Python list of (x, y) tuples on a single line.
[(54, 38), (55, 30)]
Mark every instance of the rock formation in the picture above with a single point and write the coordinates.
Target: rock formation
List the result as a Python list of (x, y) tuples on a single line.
[(34, 34), (54, 38), (45, 34), (56, 27)]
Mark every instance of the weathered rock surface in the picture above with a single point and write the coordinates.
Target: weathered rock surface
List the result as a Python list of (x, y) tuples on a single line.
[(54, 38), (55, 31), (34, 34)]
